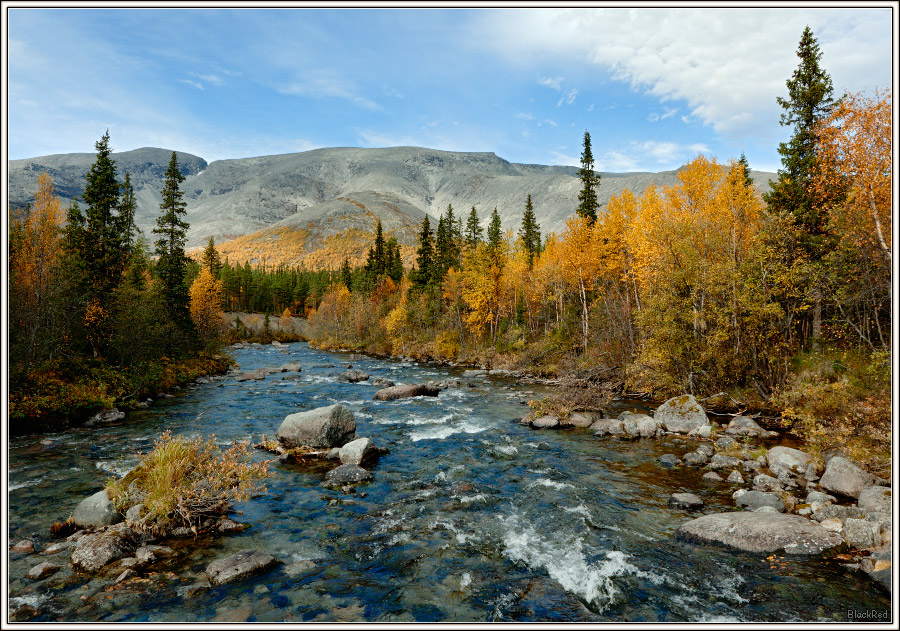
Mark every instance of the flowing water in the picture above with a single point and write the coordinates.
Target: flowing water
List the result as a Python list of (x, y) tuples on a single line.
[(471, 517)]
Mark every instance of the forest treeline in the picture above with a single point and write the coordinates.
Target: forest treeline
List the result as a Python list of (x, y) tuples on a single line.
[(707, 286)]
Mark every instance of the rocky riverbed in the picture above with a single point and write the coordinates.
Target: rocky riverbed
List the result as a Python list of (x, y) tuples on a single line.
[(438, 506)]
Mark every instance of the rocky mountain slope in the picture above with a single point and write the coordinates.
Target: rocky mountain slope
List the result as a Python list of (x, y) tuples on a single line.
[(329, 198)]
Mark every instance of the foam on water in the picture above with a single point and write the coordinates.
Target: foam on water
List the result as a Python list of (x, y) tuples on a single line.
[(22, 485), (507, 450), (551, 483), (439, 433), (566, 563), (116, 467)]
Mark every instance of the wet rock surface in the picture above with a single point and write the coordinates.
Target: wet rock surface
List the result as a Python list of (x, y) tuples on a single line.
[(239, 566), (325, 427), (760, 532)]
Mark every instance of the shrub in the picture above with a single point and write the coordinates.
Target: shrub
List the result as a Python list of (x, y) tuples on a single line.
[(184, 482)]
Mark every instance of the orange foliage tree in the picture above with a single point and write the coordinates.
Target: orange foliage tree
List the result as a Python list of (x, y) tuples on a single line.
[(205, 306)]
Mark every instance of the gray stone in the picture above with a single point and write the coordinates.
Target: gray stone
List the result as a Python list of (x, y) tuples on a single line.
[(354, 376), (239, 566), (582, 419), (812, 472), (695, 459), (744, 426), (347, 474), (228, 526), (133, 514), (361, 451), (545, 422), (96, 511), (751, 465), (751, 500), (763, 482), (725, 442), (760, 532), (875, 499), (125, 575), (822, 498), (681, 414), (712, 476), (736, 478), (706, 449), (381, 382), (787, 459), (646, 426), (861, 533), (290, 367), (844, 477), (835, 511), (94, 551), (685, 500), (26, 546), (252, 375), (104, 417), (669, 460), (325, 427), (152, 554), (630, 427), (720, 461), (704, 431), (42, 570), (608, 427), (765, 509), (403, 392)]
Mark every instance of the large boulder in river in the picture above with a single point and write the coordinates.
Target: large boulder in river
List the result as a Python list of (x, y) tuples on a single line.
[(97, 550), (347, 474), (96, 511), (403, 392), (361, 452), (354, 376), (760, 532), (786, 459), (239, 566), (330, 426), (681, 415), (844, 477)]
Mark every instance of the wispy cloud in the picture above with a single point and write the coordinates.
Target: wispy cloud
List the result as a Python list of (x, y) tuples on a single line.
[(568, 97), (327, 85), (554, 83), (192, 83), (528, 116), (211, 79)]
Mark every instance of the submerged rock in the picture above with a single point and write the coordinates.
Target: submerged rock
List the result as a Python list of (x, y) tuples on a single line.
[(96, 511), (685, 500), (239, 566), (94, 551), (42, 570), (325, 427), (669, 460), (681, 414), (26, 546), (402, 392), (760, 532)]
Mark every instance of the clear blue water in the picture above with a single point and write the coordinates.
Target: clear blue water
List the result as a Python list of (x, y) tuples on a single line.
[(471, 517)]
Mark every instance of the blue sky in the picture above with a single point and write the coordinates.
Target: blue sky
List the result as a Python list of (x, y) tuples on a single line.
[(654, 87)]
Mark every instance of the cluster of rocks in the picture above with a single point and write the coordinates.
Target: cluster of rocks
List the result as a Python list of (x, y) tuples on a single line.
[(789, 501), (329, 433), (262, 373)]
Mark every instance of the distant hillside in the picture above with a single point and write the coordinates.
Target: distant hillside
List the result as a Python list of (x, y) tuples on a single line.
[(286, 208)]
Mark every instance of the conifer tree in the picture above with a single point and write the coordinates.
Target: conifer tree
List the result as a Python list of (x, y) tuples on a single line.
[(745, 166), (422, 276), (494, 232), (346, 275), (210, 259), (587, 198), (473, 229), (530, 232), (171, 266), (127, 208), (395, 263)]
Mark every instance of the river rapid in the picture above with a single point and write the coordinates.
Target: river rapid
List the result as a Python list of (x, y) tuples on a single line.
[(471, 516)]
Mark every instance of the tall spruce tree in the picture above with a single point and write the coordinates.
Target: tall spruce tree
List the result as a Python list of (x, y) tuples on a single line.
[(530, 232), (171, 266), (494, 232), (422, 276), (587, 197), (395, 263), (346, 274), (211, 259), (745, 167), (809, 101), (473, 229)]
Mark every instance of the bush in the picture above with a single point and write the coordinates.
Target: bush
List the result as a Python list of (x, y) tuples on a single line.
[(185, 482)]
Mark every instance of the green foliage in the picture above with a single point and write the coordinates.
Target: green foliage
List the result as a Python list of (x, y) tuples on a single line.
[(423, 275), (473, 229), (171, 266), (530, 232), (587, 197), (184, 482)]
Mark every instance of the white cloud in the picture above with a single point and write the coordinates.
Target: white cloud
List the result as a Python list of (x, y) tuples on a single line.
[(327, 85), (554, 83), (568, 97), (565, 160), (525, 116), (209, 78), (727, 65), (649, 155), (192, 83)]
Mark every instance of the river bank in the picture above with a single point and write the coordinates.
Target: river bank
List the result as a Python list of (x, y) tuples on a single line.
[(471, 516)]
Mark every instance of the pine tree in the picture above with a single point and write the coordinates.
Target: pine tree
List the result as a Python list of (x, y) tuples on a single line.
[(587, 198), (127, 208), (793, 194), (473, 229), (494, 232), (346, 274), (210, 259), (379, 260), (809, 101), (422, 276), (395, 263), (530, 232), (442, 249), (171, 266), (745, 166)]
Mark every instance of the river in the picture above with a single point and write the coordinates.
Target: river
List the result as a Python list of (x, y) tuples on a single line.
[(471, 516)]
